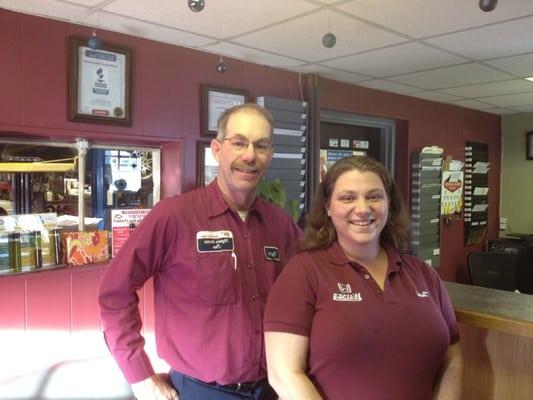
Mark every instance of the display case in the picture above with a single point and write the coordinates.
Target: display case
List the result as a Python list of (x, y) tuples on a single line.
[(79, 183)]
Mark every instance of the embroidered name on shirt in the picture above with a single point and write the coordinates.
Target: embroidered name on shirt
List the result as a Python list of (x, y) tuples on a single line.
[(271, 253), (346, 293), (214, 241), (422, 294)]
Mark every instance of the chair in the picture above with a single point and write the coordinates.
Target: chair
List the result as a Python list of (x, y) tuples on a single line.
[(493, 270), (524, 270)]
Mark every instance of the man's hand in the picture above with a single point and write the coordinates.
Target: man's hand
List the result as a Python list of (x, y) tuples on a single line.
[(154, 388)]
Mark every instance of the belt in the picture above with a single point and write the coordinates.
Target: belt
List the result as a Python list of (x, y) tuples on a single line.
[(241, 387)]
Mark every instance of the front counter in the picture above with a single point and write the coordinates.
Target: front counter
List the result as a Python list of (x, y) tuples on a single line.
[(496, 341)]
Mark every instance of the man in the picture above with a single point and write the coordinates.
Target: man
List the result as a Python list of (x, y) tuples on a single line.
[(214, 254)]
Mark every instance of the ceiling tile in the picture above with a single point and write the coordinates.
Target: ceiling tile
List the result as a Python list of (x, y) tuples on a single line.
[(510, 100), (435, 96), (456, 75), (252, 55), (331, 73), (159, 33), (471, 104), (492, 88), (86, 3), (408, 57), (522, 109), (387, 86), (423, 18), (306, 34), (491, 41), (500, 111), (51, 8), (519, 65), (218, 19)]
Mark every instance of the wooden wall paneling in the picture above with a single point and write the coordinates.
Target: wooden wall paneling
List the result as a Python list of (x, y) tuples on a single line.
[(497, 365)]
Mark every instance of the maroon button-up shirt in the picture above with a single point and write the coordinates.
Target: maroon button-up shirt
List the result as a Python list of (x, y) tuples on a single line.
[(212, 273)]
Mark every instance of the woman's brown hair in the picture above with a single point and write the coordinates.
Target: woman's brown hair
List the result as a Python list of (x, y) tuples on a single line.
[(319, 229)]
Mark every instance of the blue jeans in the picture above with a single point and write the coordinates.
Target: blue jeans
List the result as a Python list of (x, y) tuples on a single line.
[(192, 389)]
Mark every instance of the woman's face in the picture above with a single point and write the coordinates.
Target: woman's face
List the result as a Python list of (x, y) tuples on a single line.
[(358, 208)]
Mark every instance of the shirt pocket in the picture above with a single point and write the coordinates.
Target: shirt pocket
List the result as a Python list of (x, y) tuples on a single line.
[(217, 278)]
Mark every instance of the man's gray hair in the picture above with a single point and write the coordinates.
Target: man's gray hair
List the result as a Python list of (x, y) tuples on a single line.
[(224, 118)]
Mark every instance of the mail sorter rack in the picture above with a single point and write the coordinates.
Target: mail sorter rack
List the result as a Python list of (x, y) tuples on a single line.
[(476, 192), (290, 137), (426, 170)]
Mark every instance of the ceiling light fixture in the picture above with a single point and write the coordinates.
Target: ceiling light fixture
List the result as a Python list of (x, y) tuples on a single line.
[(196, 5), (487, 5), (94, 41), (329, 39), (221, 67), (529, 78)]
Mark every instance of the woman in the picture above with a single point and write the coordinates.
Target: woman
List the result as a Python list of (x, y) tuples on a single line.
[(351, 317)]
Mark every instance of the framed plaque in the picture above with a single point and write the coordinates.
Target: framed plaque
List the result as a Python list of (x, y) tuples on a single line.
[(215, 101), (207, 166), (99, 83)]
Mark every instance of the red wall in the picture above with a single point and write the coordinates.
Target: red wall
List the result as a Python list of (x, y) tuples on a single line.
[(166, 111)]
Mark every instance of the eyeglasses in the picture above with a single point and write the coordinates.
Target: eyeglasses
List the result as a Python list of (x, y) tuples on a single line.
[(240, 144)]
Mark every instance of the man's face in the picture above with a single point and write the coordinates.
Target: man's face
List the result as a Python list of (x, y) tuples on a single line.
[(243, 155)]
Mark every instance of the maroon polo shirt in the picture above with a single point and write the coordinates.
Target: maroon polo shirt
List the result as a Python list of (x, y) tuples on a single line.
[(365, 343), (212, 273)]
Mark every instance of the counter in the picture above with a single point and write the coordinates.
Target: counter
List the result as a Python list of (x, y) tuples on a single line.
[(496, 330)]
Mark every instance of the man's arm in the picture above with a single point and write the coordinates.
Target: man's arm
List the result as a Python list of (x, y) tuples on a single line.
[(286, 355), (448, 383)]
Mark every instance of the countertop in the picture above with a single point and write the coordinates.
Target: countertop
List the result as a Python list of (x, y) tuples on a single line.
[(492, 309)]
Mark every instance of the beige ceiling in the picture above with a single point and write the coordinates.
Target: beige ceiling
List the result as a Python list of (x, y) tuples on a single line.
[(442, 50)]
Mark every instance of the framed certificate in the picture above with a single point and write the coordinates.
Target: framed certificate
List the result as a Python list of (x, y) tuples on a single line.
[(207, 166), (99, 83), (214, 102)]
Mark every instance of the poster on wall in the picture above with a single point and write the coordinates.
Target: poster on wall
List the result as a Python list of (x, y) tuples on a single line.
[(452, 187), (123, 222), (329, 157)]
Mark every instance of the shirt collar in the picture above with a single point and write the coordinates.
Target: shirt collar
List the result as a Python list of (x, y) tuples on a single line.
[(218, 206), (337, 257)]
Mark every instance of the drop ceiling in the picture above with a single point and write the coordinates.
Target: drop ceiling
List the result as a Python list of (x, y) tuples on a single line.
[(442, 50)]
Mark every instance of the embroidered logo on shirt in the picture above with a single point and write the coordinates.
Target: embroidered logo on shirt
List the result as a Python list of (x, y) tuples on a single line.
[(422, 294), (344, 287), (346, 293), (214, 241), (271, 253)]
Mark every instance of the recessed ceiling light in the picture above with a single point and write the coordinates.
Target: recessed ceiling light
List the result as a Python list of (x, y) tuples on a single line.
[(529, 78)]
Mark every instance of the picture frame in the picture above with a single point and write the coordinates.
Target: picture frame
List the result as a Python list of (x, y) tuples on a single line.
[(206, 165), (99, 83), (216, 100), (529, 145)]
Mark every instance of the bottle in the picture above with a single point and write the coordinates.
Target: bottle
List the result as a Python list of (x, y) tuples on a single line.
[(15, 257), (37, 248), (56, 237)]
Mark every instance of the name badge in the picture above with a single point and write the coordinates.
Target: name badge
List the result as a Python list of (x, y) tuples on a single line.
[(271, 253), (214, 241)]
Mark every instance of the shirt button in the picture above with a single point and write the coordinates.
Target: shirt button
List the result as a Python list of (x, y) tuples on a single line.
[(250, 265), (254, 297), (367, 276), (245, 235)]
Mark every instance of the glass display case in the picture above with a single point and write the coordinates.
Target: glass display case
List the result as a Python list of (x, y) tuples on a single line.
[(75, 184)]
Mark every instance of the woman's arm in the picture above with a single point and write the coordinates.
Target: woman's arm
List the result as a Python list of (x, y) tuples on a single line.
[(286, 355), (448, 382)]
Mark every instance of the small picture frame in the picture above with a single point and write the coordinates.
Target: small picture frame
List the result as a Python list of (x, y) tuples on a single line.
[(529, 145), (99, 83), (216, 100), (207, 166)]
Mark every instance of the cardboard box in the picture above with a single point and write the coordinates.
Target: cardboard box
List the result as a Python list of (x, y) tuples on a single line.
[(84, 247)]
